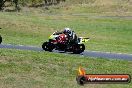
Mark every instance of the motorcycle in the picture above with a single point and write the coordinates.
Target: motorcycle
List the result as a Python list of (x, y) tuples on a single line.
[(60, 42), (0, 39)]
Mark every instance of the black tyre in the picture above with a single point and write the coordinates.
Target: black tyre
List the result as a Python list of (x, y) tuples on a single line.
[(0, 39), (82, 47), (47, 46), (78, 48)]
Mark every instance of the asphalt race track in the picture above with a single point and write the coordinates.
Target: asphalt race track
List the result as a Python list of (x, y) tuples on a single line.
[(86, 53)]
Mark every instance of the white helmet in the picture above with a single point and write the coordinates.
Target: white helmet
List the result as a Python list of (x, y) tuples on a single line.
[(67, 30)]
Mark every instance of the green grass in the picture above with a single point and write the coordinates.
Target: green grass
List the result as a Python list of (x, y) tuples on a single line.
[(107, 34), (31, 69)]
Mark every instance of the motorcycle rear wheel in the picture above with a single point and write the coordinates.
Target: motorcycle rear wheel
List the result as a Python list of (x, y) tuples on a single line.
[(78, 48), (0, 39)]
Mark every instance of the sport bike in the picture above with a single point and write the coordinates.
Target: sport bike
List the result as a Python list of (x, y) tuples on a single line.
[(60, 42)]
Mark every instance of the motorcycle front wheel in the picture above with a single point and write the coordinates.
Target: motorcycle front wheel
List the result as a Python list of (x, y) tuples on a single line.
[(47, 46)]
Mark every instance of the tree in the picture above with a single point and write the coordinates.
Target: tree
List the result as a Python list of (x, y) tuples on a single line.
[(2, 3), (50, 2)]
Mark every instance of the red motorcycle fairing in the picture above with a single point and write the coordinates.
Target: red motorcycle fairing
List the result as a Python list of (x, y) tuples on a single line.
[(62, 39)]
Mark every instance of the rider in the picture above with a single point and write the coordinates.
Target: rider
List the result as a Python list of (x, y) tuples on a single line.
[(72, 37)]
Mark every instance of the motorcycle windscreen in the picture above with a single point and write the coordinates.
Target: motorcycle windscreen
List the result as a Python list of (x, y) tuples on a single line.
[(53, 37)]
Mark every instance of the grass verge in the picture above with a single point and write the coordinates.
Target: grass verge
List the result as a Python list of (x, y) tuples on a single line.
[(30, 69)]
